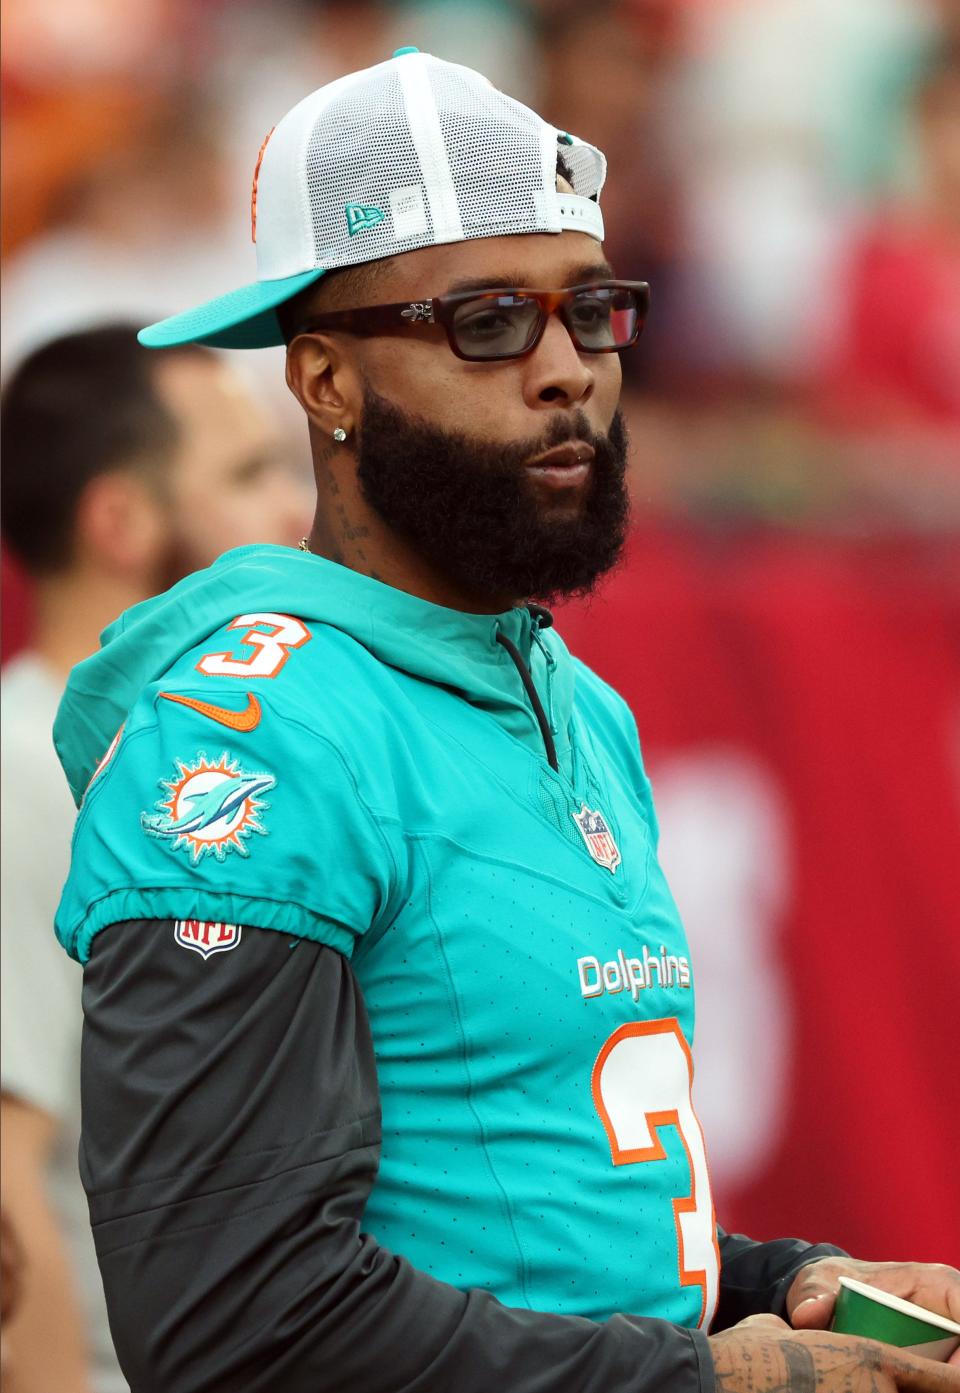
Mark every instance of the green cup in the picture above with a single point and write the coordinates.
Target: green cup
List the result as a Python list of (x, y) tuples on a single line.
[(876, 1315)]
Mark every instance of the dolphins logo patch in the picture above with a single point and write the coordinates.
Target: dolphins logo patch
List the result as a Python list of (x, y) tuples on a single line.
[(210, 808)]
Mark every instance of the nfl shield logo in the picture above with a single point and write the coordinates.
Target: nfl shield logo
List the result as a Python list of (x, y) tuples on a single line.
[(206, 938), (598, 837)]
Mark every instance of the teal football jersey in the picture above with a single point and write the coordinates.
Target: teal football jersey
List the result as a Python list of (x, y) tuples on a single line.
[(283, 743)]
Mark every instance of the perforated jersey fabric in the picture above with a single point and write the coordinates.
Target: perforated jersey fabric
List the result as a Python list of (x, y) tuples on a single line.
[(412, 152)]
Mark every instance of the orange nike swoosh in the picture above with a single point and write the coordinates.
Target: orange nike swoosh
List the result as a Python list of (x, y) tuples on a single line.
[(236, 720)]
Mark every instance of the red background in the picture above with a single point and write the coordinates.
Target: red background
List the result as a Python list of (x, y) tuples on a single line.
[(839, 664)]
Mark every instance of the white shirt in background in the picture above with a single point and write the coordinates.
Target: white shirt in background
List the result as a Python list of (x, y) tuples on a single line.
[(40, 1008)]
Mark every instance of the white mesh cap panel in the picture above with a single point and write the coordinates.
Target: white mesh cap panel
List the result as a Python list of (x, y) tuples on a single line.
[(428, 136), (360, 150), (410, 153), (496, 150)]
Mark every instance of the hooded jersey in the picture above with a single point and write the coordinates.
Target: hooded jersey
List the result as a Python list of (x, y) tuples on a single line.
[(283, 743)]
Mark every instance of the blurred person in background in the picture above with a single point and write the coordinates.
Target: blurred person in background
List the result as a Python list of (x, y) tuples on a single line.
[(790, 114), (122, 472), (896, 362), (78, 80), (85, 266), (634, 55)]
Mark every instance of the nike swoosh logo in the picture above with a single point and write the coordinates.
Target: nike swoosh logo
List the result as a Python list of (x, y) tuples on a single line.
[(248, 719)]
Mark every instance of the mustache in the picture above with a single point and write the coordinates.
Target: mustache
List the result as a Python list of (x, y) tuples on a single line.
[(561, 429), (510, 457)]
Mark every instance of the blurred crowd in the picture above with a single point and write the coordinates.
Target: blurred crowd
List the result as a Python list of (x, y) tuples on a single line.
[(785, 173)]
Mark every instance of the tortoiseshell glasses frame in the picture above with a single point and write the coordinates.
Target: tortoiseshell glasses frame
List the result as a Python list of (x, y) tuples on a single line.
[(493, 325)]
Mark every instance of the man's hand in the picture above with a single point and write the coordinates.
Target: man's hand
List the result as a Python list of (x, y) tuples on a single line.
[(813, 1293), (763, 1355)]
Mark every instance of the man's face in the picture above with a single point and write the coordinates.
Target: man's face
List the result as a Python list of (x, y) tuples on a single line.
[(449, 451), (230, 483)]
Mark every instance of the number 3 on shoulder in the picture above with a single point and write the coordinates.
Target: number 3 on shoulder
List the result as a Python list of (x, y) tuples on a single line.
[(641, 1082), (270, 635)]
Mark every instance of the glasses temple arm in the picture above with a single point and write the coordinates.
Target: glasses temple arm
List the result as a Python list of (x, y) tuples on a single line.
[(374, 318)]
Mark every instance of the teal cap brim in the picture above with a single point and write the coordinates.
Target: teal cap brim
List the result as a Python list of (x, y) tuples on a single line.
[(244, 318)]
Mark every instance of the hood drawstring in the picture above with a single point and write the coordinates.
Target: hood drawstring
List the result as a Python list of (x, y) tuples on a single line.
[(529, 687), (542, 618)]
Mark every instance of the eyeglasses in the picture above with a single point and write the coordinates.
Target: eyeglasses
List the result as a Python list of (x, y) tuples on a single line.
[(492, 325)]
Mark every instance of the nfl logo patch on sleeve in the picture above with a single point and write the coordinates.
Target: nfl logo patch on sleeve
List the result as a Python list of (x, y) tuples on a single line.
[(206, 938)]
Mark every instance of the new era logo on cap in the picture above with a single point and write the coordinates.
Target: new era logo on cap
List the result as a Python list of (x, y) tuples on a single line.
[(360, 217)]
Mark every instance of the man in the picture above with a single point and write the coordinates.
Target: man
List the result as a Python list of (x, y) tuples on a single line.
[(122, 471), (353, 822)]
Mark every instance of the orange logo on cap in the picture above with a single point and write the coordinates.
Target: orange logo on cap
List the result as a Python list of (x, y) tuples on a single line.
[(256, 176)]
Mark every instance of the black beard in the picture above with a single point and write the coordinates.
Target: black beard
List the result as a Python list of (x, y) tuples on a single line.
[(469, 509)]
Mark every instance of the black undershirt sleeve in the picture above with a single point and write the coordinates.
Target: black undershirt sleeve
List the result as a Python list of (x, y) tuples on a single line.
[(755, 1277), (231, 1135)]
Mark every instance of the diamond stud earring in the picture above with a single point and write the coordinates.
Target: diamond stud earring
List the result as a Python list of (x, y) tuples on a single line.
[(339, 435)]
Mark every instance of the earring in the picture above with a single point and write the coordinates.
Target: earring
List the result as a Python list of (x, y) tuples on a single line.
[(339, 435)]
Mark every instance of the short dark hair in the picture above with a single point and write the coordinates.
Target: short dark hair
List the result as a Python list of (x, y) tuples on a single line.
[(80, 405), (334, 291)]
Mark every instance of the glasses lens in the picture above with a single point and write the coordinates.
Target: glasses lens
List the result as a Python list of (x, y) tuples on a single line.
[(603, 317), (496, 326)]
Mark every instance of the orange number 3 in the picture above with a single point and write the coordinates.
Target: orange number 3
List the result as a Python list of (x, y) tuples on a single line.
[(271, 635), (641, 1082)]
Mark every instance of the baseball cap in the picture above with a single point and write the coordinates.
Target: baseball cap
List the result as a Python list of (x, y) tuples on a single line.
[(413, 152)]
